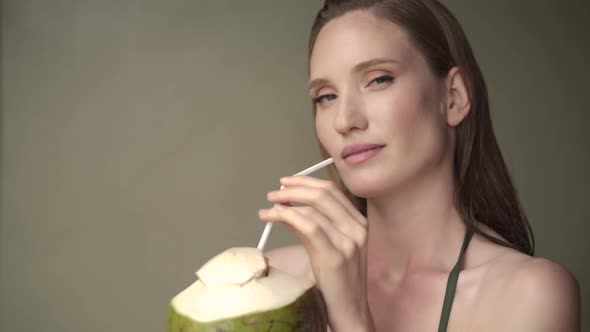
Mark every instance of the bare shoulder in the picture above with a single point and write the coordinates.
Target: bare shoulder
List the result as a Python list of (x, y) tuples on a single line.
[(530, 293), (549, 296), (543, 275), (291, 259)]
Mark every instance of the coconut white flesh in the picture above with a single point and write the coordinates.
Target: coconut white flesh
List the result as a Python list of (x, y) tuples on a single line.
[(233, 266), (205, 303)]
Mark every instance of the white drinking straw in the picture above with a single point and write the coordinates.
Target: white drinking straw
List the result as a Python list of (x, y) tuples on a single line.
[(306, 171)]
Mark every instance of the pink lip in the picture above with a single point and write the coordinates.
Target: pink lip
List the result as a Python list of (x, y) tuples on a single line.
[(354, 154)]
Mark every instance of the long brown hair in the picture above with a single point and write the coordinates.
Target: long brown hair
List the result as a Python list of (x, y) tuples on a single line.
[(484, 192)]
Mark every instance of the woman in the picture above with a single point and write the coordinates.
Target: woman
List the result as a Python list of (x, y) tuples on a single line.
[(421, 191)]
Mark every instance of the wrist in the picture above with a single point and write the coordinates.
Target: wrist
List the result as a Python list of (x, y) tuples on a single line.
[(360, 323), (354, 327)]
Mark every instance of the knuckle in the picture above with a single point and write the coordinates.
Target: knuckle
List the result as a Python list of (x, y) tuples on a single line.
[(282, 211), (336, 261), (318, 194), (325, 193), (349, 249), (362, 238), (313, 230), (288, 214), (331, 186), (306, 211)]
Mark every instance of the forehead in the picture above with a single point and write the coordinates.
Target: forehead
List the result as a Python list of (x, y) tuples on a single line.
[(356, 37)]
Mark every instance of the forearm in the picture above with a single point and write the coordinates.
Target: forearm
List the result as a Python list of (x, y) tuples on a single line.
[(353, 323)]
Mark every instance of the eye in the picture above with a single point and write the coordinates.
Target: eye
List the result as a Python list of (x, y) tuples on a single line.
[(381, 80), (322, 98)]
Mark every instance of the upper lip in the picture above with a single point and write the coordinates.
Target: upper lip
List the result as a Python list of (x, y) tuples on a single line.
[(355, 148)]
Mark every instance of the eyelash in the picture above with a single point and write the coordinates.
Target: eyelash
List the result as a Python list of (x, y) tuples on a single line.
[(384, 79), (319, 99), (387, 79)]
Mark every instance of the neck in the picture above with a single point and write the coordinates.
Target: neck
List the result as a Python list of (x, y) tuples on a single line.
[(415, 229)]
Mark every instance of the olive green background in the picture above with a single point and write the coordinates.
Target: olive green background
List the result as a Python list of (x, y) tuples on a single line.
[(139, 138)]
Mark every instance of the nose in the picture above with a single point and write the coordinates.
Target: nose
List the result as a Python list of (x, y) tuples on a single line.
[(350, 115)]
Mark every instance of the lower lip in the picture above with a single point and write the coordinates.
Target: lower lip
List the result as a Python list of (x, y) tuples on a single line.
[(358, 158)]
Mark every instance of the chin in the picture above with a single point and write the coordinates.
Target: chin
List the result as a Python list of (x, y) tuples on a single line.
[(367, 186), (375, 180)]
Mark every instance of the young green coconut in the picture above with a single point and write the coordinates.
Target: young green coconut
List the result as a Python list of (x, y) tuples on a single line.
[(237, 291)]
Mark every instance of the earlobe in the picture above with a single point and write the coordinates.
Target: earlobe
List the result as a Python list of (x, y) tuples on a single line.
[(458, 101)]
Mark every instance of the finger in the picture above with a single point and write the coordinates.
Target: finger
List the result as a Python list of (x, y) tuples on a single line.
[(335, 191), (325, 185), (311, 234), (346, 245), (323, 201), (346, 248), (335, 235)]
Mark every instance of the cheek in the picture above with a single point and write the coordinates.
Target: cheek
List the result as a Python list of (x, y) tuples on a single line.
[(425, 131), (322, 129), (410, 120), (394, 114)]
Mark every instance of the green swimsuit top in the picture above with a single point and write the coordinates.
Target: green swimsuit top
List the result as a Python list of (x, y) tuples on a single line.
[(452, 285)]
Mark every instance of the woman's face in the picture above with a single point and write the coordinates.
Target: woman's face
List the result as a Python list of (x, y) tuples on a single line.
[(373, 89)]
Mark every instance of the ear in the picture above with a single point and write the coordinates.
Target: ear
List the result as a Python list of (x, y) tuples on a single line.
[(458, 102)]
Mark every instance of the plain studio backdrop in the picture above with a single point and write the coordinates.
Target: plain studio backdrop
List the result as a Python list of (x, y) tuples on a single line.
[(139, 139)]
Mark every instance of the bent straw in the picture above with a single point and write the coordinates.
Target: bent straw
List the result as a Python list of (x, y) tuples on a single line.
[(307, 171)]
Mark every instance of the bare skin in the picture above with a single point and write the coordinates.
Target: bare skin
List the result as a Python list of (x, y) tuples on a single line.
[(499, 289), (388, 271)]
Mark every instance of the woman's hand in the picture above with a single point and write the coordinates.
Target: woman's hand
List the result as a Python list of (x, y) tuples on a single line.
[(334, 233)]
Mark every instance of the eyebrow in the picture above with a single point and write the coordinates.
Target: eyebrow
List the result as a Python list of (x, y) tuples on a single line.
[(357, 69)]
